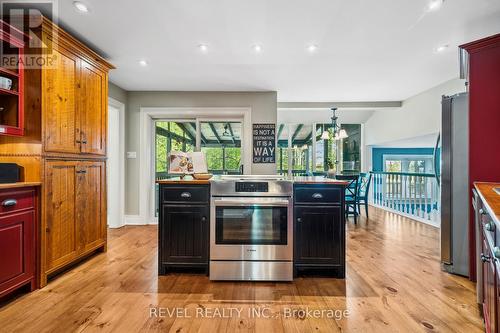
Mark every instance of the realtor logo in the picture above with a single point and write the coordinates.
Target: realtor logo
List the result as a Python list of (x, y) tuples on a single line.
[(24, 20)]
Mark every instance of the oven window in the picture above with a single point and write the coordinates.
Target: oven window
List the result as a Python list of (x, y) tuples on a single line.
[(251, 225)]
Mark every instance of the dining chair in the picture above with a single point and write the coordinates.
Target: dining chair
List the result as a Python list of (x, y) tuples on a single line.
[(364, 190), (351, 195)]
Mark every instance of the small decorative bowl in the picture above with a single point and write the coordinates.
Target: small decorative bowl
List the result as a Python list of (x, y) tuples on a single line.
[(202, 176)]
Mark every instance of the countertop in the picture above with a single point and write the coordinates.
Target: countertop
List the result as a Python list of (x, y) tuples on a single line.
[(186, 180), (297, 180), (19, 184), (490, 198)]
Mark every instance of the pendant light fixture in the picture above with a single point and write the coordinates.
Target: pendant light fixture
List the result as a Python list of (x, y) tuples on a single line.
[(338, 132)]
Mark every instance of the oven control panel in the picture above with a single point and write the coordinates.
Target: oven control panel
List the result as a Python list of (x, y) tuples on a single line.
[(251, 187)]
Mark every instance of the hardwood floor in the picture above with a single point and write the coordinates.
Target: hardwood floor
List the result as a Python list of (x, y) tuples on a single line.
[(394, 284)]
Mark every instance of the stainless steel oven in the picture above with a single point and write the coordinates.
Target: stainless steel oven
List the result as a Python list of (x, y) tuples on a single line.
[(251, 231)]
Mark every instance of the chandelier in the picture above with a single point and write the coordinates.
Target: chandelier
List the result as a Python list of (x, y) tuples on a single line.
[(338, 132)]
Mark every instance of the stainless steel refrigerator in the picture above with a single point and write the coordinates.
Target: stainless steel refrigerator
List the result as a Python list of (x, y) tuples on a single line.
[(452, 171)]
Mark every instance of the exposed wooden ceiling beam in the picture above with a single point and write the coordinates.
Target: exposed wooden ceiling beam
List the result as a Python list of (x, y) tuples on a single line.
[(181, 125), (280, 130), (212, 127), (343, 105), (202, 137), (297, 131), (231, 131)]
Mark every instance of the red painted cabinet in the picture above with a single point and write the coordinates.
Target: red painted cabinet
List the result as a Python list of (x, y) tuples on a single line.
[(484, 120), (11, 80), (17, 239)]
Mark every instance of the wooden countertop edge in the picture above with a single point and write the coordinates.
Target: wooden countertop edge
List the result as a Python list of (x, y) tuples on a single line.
[(184, 181), (297, 181), (490, 198), (20, 184)]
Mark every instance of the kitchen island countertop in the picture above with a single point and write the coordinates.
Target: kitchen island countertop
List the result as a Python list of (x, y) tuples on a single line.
[(296, 180), (490, 198)]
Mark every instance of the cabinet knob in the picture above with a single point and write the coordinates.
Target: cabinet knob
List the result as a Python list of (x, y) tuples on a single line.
[(9, 202), (496, 252), (317, 196), (490, 226), (185, 195), (204, 219), (299, 219), (485, 258)]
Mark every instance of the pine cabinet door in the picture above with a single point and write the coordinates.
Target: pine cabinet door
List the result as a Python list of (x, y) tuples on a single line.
[(91, 201), (60, 114), (93, 109), (61, 232)]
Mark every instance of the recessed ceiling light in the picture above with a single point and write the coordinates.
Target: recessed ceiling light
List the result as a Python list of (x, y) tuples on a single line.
[(257, 48), (143, 63), (312, 48), (81, 6), (441, 48), (203, 47), (434, 5)]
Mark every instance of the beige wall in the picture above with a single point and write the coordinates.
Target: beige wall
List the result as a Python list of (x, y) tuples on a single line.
[(264, 110), (117, 93)]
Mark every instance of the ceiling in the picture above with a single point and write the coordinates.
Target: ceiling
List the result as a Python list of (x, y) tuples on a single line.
[(367, 50)]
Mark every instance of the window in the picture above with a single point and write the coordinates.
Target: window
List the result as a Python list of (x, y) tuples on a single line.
[(172, 136), (408, 163), (221, 143), (282, 150), (351, 152)]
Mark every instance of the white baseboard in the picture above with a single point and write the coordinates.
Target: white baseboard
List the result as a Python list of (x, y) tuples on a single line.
[(137, 220)]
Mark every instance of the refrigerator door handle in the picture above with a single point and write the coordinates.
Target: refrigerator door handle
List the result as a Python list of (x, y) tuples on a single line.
[(435, 160)]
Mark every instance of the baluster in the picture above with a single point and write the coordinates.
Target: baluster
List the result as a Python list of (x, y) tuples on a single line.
[(413, 195), (426, 212), (386, 190), (391, 191), (400, 194), (396, 194), (403, 184), (419, 196), (379, 194)]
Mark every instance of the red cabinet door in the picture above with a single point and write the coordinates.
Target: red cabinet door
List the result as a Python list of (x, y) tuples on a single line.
[(17, 248)]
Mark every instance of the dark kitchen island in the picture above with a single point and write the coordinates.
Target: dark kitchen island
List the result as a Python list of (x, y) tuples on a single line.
[(315, 224)]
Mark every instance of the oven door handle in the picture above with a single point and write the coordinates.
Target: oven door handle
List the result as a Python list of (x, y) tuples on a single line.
[(273, 203)]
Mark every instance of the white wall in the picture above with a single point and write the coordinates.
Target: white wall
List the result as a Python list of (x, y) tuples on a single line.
[(419, 116)]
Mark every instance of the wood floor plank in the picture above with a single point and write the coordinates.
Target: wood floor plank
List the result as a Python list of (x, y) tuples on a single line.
[(394, 284)]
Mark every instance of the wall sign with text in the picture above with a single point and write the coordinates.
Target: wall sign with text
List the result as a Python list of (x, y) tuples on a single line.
[(264, 143)]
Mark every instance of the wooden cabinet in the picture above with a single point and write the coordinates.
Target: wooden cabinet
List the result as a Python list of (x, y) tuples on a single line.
[(60, 214), (18, 231), (183, 228), (93, 109), (75, 216), (319, 229), (75, 94), (61, 121)]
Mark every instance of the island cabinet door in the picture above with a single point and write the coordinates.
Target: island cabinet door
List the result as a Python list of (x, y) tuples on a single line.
[(318, 235), (184, 234)]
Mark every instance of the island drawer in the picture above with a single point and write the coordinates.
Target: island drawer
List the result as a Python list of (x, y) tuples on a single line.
[(318, 194), (185, 193)]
